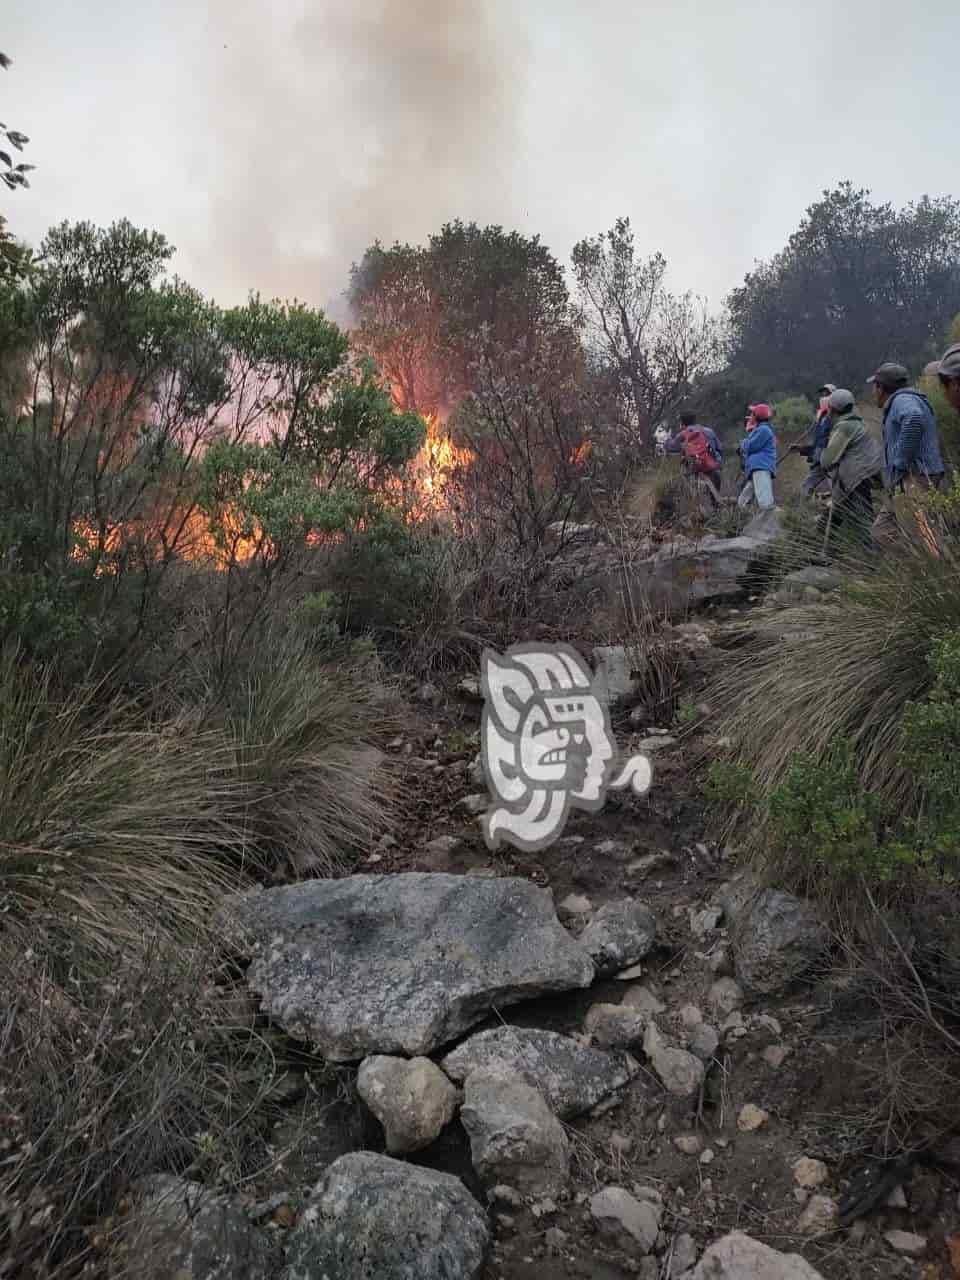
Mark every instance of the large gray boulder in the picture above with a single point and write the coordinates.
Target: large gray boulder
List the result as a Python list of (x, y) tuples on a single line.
[(373, 1218), (402, 963), (412, 1099), (620, 934), (515, 1139), (181, 1229), (572, 1077), (740, 1257), (777, 939)]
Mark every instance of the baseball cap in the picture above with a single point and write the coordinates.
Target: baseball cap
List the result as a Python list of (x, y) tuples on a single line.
[(841, 400), (761, 412), (827, 389), (948, 366), (890, 375)]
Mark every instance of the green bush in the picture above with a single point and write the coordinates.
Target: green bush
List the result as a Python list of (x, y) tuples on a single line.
[(792, 416)]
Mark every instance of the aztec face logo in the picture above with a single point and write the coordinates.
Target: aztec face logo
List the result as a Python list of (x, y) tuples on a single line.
[(546, 744)]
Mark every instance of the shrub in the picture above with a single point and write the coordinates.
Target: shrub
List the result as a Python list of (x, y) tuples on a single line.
[(792, 416)]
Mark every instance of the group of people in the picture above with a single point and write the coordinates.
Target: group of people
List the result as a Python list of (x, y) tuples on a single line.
[(839, 449)]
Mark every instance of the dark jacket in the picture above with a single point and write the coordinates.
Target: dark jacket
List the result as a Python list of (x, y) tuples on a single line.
[(821, 434), (852, 455), (910, 441)]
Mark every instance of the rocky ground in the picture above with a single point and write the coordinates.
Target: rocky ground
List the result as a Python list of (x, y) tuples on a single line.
[(611, 1059)]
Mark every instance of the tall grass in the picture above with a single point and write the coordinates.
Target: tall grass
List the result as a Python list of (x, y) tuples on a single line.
[(847, 666), (123, 1047)]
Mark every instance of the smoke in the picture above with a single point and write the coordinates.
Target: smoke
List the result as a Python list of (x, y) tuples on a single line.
[(360, 120)]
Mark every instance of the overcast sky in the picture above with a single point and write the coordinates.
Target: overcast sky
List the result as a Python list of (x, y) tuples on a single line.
[(272, 140)]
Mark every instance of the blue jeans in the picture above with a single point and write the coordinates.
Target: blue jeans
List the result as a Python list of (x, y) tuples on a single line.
[(759, 487)]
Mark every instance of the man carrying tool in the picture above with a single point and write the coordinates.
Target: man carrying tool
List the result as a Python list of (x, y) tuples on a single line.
[(854, 462), (819, 433), (758, 454), (701, 451)]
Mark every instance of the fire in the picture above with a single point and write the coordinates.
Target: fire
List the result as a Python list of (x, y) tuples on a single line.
[(424, 489)]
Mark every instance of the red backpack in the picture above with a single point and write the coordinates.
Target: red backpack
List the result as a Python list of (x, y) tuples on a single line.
[(697, 451)]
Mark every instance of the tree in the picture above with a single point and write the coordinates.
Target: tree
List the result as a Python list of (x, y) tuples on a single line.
[(13, 174), (430, 315), (654, 343), (857, 283), (153, 428)]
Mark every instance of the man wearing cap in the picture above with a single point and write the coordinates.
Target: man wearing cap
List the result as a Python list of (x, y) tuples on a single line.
[(947, 370), (758, 452), (911, 447), (854, 462), (819, 432)]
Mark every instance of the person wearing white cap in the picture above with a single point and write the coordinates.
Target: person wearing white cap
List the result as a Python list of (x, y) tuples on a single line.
[(854, 462)]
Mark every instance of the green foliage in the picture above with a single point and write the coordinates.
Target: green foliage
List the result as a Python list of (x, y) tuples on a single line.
[(931, 750), (822, 816), (792, 416), (948, 419), (729, 784), (857, 283)]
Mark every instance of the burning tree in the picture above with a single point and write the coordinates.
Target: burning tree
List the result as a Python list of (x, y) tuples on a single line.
[(653, 344), (148, 428)]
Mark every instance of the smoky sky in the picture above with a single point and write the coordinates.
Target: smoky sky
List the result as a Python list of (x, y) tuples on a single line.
[(272, 142)]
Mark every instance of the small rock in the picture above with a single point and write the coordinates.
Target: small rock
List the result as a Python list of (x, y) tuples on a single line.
[(573, 1077), (704, 1041), (647, 746), (614, 1027), (469, 686), (573, 905), (612, 679), (475, 804), (720, 962), (183, 1229), (632, 1224), (681, 1073), (514, 1137), (777, 940), (412, 1099), (544, 1208), (691, 1016), (429, 693), (819, 1217), (810, 1173), (775, 1055), (620, 1142), (684, 1255), (707, 1156), (897, 1199), (620, 934), (738, 1256), (506, 1194), (906, 1242), (555, 1239), (751, 1118), (690, 1144), (725, 996), (371, 1215), (642, 999), (628, 975), (705, 921)]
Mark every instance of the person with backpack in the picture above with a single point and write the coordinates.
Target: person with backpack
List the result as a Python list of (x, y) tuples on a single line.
[(701, 451), (758, 454), (854, 462)]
